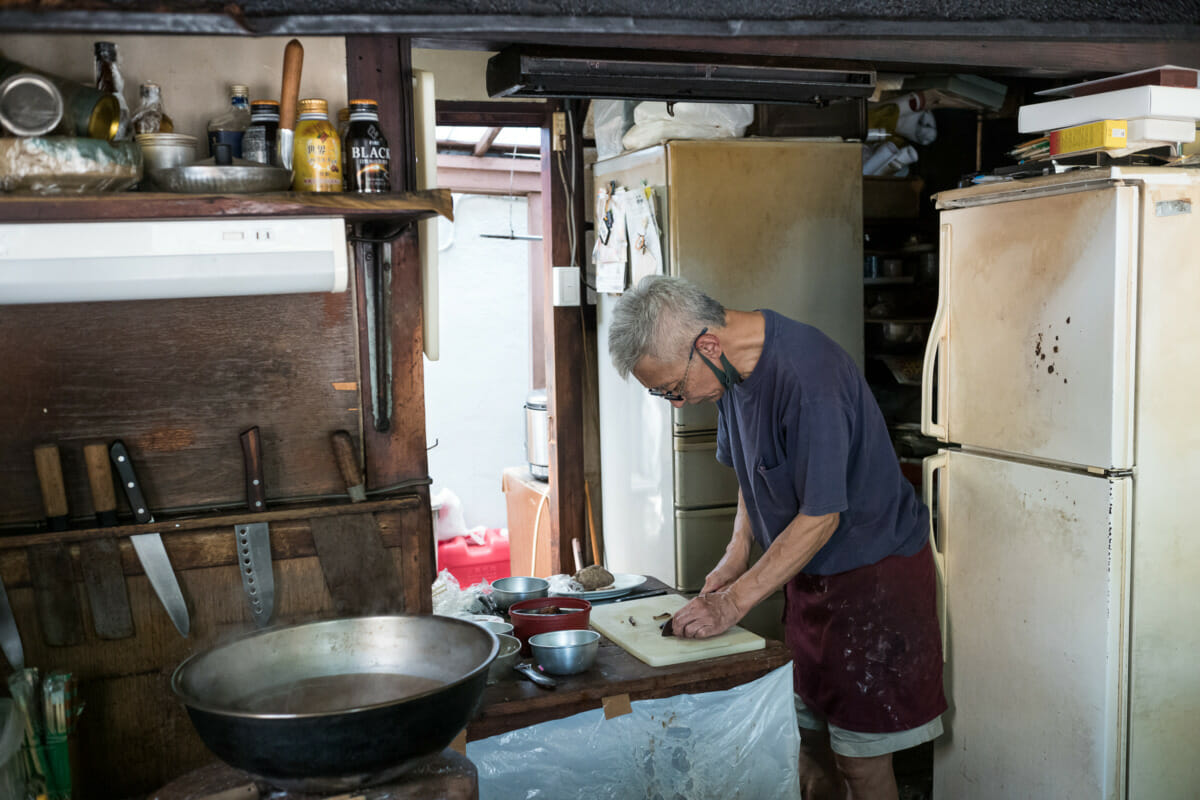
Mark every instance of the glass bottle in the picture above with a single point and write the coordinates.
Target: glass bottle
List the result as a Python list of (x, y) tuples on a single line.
[(343, 122), (367, 158), (258, 143), (317, 151), (109, 81), (229, 127), (151, 116)]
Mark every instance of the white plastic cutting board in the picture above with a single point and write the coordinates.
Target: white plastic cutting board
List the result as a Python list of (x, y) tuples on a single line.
[(643, 639)]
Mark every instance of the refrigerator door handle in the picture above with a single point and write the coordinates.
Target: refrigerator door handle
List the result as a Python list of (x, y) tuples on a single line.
[(934, 346), (929, 466)]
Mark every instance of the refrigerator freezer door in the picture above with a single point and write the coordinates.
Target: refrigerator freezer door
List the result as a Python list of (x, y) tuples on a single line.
[(700, 480), (700, 544), (769, 224), (1034, 336), (1036, 601), (636, 469)]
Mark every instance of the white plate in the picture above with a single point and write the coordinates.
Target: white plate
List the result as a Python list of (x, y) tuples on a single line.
[(623, 583)]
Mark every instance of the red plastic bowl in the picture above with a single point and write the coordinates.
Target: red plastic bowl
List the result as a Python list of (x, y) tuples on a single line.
[(526, 625)]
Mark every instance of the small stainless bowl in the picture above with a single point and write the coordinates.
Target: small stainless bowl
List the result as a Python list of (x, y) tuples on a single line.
[(502, 666), (499, 628), (565, 652), (507, 591)]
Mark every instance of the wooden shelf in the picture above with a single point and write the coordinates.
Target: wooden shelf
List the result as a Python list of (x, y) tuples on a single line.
[(392, 207)]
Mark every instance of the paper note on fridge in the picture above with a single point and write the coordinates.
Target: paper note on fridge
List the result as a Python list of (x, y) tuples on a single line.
[(645, 242), (611, 251)]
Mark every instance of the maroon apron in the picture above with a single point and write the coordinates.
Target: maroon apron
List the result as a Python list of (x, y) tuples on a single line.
[(866, 645)]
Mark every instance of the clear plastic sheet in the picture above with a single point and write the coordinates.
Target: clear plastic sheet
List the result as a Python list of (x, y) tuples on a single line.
[(742, 743)]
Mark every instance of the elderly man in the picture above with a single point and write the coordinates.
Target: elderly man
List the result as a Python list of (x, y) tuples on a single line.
[(821, 492)]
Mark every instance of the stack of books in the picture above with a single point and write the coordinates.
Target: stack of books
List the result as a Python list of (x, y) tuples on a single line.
[(1118, 116)]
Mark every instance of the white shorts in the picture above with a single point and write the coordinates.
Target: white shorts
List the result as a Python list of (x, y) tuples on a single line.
[(866, 745)]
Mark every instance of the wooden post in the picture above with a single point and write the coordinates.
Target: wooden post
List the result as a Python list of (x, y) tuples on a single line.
[(564, 353), (380, 68)]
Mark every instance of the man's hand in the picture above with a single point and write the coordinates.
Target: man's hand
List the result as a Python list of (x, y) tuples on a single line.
[(731, 567), (707, 615)]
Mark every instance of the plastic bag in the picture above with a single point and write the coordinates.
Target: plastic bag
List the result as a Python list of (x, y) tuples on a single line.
[(611, 118), (451, 521), (653, 123), (564, 584), (451, 600), (740, 743)]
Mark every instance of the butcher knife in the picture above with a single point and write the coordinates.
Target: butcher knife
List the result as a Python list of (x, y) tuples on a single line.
[(254, 540), (100, 559), (149, 546), (50, 569)]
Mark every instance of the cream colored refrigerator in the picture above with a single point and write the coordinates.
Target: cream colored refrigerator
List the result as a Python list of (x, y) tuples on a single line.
[(1065, 355), (757, 224)]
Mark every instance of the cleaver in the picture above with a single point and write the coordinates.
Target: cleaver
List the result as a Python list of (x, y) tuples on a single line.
[(254, 540)]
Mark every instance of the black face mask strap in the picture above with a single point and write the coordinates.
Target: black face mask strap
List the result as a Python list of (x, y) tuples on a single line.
[(727, 376)]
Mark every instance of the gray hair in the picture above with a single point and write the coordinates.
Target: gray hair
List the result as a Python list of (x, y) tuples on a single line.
[(659, 318)]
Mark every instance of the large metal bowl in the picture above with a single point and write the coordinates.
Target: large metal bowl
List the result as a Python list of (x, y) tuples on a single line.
[(337, 704)]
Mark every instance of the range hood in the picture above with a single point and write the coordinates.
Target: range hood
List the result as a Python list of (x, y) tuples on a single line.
[(161, 259), (521, 71)]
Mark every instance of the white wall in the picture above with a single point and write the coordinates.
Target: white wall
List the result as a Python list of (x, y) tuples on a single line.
[(193, 71), (475, 393)]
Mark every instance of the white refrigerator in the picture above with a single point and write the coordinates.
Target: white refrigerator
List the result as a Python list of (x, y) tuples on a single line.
[(1064, 361), (757, 223)]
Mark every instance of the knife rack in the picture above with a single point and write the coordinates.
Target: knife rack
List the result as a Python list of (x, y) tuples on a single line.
[(208, 541)]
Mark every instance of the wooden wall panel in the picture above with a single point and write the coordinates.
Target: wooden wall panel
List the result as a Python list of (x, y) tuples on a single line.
[(134, 736), (177, 380)]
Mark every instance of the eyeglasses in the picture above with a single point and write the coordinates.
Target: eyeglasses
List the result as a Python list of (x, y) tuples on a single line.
[(674, 395)]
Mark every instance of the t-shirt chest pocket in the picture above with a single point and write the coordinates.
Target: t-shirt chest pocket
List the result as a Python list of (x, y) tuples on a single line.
[(775, 495)]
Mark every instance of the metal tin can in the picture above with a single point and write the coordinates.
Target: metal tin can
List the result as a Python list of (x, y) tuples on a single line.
[(317, 152), (86, 111), (30, 105)]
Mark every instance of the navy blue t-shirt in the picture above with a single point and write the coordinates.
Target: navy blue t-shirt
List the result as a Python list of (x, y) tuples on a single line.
[(805, 436)]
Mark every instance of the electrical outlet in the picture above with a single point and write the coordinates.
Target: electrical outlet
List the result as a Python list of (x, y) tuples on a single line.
[(566, 286), (559, 131)]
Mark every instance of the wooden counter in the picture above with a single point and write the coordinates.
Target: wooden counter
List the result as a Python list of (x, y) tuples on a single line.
[(511, 704)]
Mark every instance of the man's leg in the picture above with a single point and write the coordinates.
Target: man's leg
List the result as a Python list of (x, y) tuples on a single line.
[(819, 778), (868, 778)]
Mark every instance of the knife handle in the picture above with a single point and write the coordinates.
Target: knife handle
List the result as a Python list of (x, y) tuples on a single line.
[(293, 63), (256, 490), (100, 479), (347, 461), (54, 491), (129, 482)]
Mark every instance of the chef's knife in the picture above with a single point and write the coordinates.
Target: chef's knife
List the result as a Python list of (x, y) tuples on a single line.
[(149, 546), (254, 540), (100, 559)]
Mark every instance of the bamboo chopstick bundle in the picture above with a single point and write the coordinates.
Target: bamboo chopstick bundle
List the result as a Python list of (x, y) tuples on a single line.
[(25, 687)]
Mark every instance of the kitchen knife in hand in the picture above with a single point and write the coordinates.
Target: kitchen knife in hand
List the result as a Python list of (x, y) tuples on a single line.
[(100, 558), (254, 540), (149, 546)]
